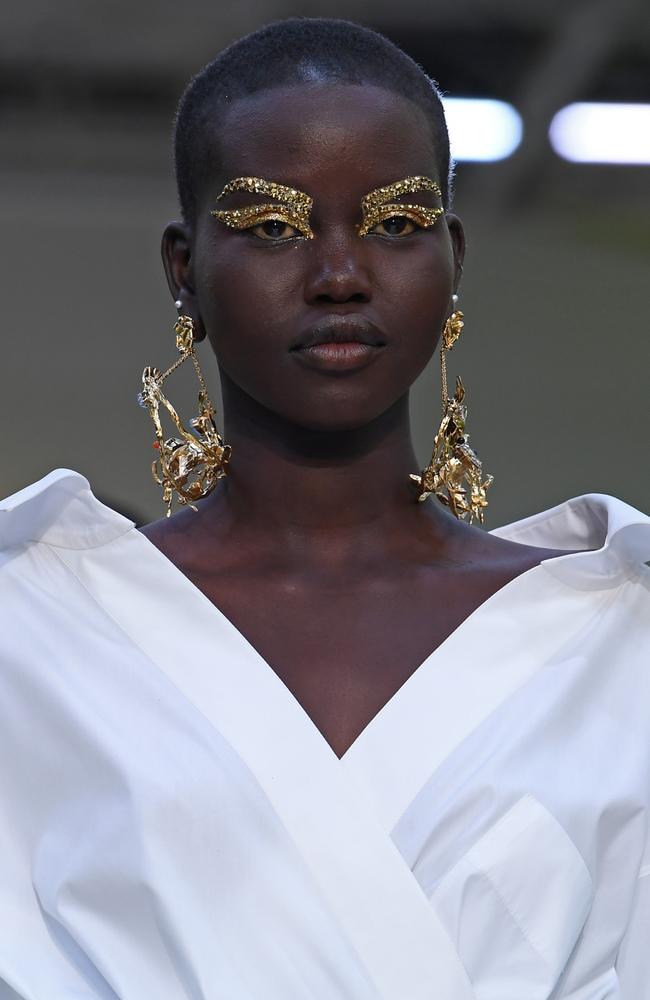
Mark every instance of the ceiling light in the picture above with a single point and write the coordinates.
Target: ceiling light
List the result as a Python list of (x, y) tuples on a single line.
[(602, 133), (482, 129)]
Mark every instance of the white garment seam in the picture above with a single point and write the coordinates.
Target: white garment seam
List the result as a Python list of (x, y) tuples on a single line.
[(79, 548), (627, 568), (527, 796), (517, 920), (644, 872), (559, 511), (486, 870)]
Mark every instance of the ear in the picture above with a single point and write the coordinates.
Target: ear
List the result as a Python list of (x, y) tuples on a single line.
[(457, 234), (177, 261)]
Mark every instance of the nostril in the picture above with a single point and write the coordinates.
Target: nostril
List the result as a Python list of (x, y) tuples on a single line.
[(340, 276), (354, 297)]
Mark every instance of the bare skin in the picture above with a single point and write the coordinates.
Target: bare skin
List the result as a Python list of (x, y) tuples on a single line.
[(314, 547)]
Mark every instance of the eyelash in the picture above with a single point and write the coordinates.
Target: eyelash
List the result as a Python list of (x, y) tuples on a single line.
[(246, 219), (423, 218), (277, 217), (419, 216), (387, 218), (299, 235)]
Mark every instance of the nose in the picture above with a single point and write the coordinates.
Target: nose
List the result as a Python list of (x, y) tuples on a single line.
[(338, 270)]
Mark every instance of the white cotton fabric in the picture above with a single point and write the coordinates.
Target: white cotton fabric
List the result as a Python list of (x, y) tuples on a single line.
[(173, 825)]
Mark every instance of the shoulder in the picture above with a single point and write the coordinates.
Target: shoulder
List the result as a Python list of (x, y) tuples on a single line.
[(47, 530), (58, 510), (595, 538)]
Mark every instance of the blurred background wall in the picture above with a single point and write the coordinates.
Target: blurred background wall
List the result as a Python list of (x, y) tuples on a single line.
[(555, 349)]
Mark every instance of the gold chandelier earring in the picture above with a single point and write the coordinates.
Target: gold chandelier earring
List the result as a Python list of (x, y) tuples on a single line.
[(189, 465), (454, 466)]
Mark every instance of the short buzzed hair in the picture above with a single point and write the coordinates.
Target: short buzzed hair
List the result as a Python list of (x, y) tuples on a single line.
[(292, 52)]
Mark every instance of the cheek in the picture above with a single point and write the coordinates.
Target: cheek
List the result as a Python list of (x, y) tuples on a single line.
[(246, 297), (415, 290), (252, 305), (240, 303)]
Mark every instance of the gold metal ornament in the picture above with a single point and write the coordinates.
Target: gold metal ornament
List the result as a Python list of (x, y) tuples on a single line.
[(298, 206), (189, 465), (454, 465), (380, 205)]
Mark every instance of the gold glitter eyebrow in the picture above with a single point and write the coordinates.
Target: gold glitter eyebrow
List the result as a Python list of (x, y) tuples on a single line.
[(296, 214), (379, 205)]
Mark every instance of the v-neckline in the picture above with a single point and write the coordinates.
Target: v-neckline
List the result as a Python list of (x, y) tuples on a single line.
[(339, 812), (447, 696), (250, 649), (346, 855)]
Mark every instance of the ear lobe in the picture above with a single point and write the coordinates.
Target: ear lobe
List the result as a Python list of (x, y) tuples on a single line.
[(199, 330), (176, 255), (176, 258)]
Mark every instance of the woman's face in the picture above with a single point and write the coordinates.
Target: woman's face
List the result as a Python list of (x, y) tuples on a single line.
[(265, 294)]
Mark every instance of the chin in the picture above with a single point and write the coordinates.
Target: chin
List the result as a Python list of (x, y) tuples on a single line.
[(340, 417), (324, 407)]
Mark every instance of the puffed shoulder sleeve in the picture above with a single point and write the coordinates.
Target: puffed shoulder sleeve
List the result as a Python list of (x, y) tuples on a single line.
[(59, 510)]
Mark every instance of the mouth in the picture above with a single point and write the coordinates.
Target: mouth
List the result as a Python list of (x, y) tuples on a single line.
[(340, 343)]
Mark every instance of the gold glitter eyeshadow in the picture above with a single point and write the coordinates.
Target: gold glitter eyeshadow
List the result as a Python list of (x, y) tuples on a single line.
[(298, 206), (378, 205)]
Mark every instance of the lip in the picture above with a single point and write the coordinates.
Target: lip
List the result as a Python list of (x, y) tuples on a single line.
[(339, 343), (334, 329)]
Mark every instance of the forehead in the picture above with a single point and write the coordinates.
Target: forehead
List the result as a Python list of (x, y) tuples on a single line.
[(320, 137)]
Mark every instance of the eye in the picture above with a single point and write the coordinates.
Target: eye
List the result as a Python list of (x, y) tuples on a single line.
[(275, 230), (395, 225)]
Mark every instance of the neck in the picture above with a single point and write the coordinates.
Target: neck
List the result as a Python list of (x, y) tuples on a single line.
[(332, 490)]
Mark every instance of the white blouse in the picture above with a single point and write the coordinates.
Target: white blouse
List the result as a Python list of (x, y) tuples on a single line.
[(174, 826)]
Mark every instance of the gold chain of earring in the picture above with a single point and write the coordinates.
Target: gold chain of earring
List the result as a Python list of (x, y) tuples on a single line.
[(454, 465), (189, 465)]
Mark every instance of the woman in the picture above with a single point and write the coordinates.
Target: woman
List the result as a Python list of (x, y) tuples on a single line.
[(317, 739)]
